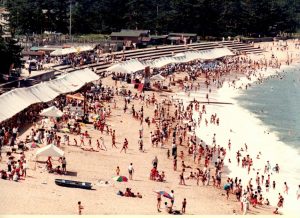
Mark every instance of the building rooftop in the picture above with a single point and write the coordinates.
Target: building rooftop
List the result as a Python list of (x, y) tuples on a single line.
[(183, 34), (129, 33)]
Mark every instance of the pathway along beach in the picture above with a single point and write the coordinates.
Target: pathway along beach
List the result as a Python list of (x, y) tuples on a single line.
[(37, 193)]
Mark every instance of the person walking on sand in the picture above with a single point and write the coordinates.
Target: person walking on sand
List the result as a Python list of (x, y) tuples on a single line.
[(181, 178), (81, 140), (113, 139), (130, 171), (158, 202), (245, 203), (125, 146), (172, 198), (102, 145), (155, 162), (183, 205), (64, 165), (80, 208), (118, 171)]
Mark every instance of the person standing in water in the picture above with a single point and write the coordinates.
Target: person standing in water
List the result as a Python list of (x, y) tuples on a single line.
[(286, 188)]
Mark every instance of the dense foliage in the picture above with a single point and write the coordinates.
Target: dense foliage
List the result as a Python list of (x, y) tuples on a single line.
[(205, 17), (10, 55)]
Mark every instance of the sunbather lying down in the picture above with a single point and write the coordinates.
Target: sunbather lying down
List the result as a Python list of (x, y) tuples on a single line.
[(89, 149), (128, 193)]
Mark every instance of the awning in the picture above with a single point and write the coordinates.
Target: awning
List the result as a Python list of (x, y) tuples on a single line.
[(50, 151), (76, 96), (51, 112), (17, 100), (135, 65), (174, 38)]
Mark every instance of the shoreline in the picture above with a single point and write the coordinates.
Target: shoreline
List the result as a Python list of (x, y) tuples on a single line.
[(240, 113)]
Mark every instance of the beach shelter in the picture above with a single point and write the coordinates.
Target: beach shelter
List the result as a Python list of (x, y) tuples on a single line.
[(63, 51), (130, 66), (84, 48), (50, 151), (178, 55), (77, 96), (157, 77), (51, 112)]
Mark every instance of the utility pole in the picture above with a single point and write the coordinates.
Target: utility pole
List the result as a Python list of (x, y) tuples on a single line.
[(156, 18), (70, 28)]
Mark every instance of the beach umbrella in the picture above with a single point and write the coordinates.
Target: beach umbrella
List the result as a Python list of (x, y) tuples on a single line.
[(226, 186), (163, 193), (120, 179)]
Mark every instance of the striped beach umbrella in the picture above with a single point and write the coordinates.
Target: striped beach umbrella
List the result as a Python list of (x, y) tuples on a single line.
[(164, 194), (120, 179)]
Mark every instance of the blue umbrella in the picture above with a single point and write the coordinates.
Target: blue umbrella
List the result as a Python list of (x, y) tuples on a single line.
[(226, 186)]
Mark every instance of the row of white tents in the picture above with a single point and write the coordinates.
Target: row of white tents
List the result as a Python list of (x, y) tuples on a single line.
[(72, 50), (134, 65), (16, 100)]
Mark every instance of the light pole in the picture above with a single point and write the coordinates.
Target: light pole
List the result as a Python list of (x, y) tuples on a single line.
[(70, 28)]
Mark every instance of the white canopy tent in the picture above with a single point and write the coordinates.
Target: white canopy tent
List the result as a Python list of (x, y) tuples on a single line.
[(129, 67), (132, 66), (15, 101), (157, 77), (181, 54), (50, 151), (161, 62), (84, 48), (51, 112), (63, 51)]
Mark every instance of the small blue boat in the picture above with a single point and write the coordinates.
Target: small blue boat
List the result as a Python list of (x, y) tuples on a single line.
[(73, 184)]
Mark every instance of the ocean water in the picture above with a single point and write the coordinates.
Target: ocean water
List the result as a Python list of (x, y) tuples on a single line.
[(276, 102), (267, 118)]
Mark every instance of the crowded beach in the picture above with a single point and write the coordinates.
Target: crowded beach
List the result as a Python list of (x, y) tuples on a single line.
[(139, 149)]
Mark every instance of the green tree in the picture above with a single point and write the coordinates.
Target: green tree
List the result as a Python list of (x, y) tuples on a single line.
[(10, 54), (205, 17)]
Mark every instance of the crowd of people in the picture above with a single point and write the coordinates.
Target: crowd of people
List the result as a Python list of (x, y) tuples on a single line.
[(173, 127)]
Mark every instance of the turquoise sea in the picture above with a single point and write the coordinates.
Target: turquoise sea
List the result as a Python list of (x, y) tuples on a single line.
[(276, 102)]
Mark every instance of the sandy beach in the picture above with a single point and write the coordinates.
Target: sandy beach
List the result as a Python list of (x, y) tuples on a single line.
[(38, 194)]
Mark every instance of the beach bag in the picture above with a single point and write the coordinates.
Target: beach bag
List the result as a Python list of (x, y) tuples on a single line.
[(120, 193)]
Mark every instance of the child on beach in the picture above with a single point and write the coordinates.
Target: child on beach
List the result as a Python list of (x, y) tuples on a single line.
[(183, 206), (80, 208), (118, 171)]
